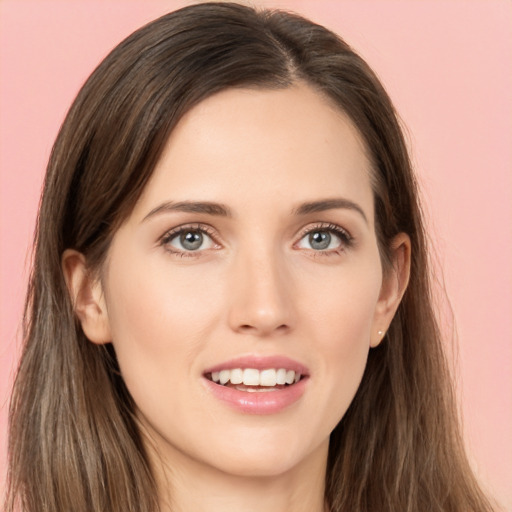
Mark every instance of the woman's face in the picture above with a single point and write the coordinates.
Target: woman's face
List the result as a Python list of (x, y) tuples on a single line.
[(250, 256)]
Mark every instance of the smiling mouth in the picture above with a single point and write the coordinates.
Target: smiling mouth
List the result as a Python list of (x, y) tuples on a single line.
[(253, 380)]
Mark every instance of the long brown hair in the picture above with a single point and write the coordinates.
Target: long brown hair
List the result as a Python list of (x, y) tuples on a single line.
[(74, 442)]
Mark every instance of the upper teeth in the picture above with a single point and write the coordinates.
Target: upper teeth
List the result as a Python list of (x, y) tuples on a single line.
[(253, 377)]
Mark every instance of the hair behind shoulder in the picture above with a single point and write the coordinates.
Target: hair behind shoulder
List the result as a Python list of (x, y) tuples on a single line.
[(74, 442)]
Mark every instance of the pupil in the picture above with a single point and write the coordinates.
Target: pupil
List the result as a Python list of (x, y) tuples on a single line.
[(191, 240), (320, 240)]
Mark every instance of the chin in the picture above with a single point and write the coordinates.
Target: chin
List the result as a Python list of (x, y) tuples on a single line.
[(270, 455), (247, 466)]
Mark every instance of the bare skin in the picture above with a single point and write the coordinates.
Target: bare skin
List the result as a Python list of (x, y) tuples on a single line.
[(254, 238)]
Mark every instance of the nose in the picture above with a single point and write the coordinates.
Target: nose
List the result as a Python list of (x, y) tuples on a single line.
[(260, 293)]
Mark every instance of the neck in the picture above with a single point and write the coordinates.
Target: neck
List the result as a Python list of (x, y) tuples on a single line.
[(185, 485)]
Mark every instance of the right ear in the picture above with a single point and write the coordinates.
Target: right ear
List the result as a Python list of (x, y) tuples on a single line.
[(87, 297)]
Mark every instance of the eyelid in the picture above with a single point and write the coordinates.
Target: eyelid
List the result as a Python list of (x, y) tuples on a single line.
[(327, 226), (172, 233), (346, 238)]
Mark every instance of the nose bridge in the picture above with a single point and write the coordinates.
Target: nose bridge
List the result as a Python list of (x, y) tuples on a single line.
[(261, 301)]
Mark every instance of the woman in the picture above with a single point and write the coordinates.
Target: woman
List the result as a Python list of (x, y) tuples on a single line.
[(229, 306)]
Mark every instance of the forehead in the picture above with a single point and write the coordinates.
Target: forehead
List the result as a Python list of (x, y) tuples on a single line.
[(239, 145)]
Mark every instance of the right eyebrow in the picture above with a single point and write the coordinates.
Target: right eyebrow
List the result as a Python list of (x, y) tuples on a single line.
[(206, 207)]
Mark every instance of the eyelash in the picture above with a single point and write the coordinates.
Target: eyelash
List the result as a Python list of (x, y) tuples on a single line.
[(347, 241), (176, 232)]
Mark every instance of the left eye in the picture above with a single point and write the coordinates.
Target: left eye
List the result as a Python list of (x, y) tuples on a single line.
[(190, 240), (321, 240)]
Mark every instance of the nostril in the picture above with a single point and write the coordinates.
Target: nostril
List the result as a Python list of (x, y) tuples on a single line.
[(246, 328), (264, 329)]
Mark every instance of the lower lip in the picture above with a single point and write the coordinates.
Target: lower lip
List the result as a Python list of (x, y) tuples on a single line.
[(259, 402)]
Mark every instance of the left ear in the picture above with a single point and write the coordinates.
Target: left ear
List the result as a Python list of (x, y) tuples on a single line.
[(394, 284)]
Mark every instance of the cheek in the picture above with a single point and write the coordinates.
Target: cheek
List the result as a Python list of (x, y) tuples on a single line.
[(158, 322), (340, 323), (341, 307), (156, 308)]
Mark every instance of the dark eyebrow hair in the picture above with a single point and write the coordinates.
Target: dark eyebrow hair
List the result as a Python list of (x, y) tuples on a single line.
[(328, 204), (205, 207), (218, 209)]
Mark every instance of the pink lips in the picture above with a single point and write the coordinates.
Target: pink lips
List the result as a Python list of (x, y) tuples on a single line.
[(260, 363), (263, 402)]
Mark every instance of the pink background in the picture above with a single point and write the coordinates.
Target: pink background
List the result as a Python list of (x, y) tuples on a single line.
[(446, 64)]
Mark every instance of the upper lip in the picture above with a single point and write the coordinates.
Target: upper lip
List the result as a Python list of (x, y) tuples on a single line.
[(260, 363)]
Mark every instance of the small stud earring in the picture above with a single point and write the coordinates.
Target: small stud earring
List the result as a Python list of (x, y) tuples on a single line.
[(381, 333)]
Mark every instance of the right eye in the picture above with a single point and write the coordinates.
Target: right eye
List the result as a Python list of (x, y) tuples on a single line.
[(188, 239)]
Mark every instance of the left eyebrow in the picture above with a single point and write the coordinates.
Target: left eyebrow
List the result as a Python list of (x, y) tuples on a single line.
[(329, 204), (205, 207)]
